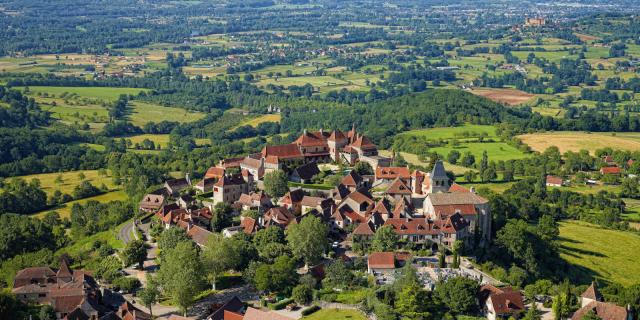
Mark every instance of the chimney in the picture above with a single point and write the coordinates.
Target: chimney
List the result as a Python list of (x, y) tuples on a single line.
[(304, 132), (321, 131), (472, 189), (188, 179)]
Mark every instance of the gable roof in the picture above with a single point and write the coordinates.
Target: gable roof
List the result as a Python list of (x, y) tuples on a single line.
[(398, 187), (214, 172), (392, 173), (311, 139), (234, 305), (230, 179), (448, 198), (458, 188), (199, 234), (283, 151), (381, 260), (352, 179), (610, 170), (306, 171), (364, 229), (592, 293), (504, 300), (291, 197), (604, 310)]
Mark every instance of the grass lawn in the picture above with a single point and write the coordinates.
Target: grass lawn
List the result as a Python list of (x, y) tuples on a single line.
[(336, 314), (576, 141), (414, 160), (610, 255), (86, 243), (65, 209), (70, 180), (310, 186), (352, 297)]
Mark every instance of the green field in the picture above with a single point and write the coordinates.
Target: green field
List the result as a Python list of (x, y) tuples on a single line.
[(70, 180), (496, 151), (159, 139), (254, 121), (65, 209), (101, 93), (610, 255), (143, 113), (336, 314), (453, 132)]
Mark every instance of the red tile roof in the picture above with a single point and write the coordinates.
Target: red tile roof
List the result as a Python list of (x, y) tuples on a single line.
[(249, 225), (419, 226), (398, 187), (199, 234), (352, 179), (284, 151), (381, 260), (392, 173), (311, 139), (229, 315), (610, 170), (554, 180), (604, 310), (214, 172), (446, 210), (458, 188), (505, 300), (364, 229)]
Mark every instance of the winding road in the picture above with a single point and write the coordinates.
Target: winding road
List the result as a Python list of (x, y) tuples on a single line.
[(125, 232)]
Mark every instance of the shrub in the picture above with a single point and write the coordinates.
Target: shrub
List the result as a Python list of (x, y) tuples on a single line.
[(309, 310), (280, 304)]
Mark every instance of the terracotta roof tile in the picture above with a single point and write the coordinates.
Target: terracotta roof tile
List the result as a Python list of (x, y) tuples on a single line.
[(381, 260)]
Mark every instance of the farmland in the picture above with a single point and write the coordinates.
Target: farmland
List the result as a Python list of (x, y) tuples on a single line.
[(255, 121), (161, 140), (599, 253), (65, 209), (507, 96), (576, 141), (69, 180)]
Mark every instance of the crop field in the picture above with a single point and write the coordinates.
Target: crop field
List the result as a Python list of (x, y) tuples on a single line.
[(70, 180), (576, 141), (65, 209), (315, 81), (610, 255), (510, 97)]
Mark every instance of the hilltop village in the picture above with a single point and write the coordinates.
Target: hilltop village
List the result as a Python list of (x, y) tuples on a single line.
[(425, 208)]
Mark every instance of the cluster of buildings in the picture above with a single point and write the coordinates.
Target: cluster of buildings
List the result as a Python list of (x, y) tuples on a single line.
[(73, 294), (425, 208)]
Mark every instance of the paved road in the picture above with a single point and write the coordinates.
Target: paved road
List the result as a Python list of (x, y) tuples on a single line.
[(126, 231)]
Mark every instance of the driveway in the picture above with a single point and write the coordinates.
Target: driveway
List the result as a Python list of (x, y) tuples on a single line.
[(126, 231)]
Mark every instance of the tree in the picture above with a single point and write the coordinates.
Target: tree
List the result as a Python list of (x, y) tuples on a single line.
[(384, 239), (457, 247), (181, 274), (149, 295), (221, 216), (410, 303), (170, 238), (46, 313), (590, 316), (363, 168), (218, 256), (276, 183), (532, 313), (308, 239), (458, 294), (277, 277), (337, 275), (453, 156), (302, 294), (134, 252)]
